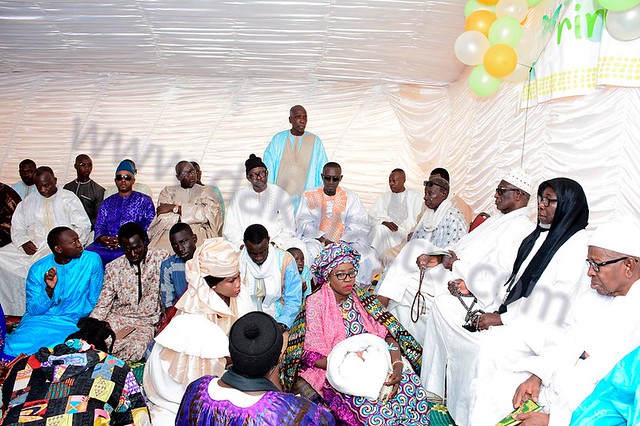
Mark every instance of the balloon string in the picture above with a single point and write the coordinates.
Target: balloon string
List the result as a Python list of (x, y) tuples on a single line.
[(526, 116)]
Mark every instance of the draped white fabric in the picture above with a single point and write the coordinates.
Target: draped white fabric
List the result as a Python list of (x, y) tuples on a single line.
[(166, 80)]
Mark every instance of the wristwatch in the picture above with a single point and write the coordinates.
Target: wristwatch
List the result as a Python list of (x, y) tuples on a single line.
[(176, 208)]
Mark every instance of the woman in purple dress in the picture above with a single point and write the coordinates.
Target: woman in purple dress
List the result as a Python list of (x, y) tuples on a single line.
[(246, 394)]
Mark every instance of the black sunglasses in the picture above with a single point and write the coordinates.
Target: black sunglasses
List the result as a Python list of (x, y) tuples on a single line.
[(331, 178), (124, 177)]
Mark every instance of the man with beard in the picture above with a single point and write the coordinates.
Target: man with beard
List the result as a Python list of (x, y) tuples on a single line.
[(61, 288), (196, 205), (25, 186)]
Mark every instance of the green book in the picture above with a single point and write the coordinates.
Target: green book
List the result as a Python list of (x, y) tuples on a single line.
[(528, 407)]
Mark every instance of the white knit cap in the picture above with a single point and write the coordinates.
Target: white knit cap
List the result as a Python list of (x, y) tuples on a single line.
[(621, 235), (518, 177)]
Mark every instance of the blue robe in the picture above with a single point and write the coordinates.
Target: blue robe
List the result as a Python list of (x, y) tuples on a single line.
[(48, 321), (273, 155), (616, 398), (114, 212)]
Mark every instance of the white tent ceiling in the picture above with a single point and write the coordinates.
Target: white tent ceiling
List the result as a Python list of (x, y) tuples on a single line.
[(356, 40)]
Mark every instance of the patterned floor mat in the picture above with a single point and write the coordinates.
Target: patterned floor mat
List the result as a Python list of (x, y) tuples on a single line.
[(439, 415)]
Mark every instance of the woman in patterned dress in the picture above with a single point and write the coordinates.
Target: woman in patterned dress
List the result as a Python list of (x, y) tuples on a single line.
[(339, 310)]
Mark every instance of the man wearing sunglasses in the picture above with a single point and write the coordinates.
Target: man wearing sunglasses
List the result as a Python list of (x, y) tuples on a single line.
[(124, 207), (196, 205), (330, 214), (605, 327), (484, 256)]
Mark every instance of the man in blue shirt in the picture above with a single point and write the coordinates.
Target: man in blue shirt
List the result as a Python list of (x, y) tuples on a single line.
[(173, 283)]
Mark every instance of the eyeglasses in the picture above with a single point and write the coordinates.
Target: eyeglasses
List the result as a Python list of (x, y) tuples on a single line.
[(331, 178), (187, 173), (343, 275), (257, 175), (546, 201), (597, 265), (502, 189), (124, 177)]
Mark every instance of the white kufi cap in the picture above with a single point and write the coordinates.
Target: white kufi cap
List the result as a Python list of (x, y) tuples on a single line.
[(520, 178)]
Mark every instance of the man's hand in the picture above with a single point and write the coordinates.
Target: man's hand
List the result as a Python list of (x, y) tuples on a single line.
[(304, 285), (165, 208), (488, 320), (109, 242), (447, 261), (29, 248), (424, 261), (392, 226), (529, 389), (51, 279), (458, 286), (409, 235), (533, 419)]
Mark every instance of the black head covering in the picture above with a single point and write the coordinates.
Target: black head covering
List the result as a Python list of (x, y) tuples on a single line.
[(255, 343), (253, 162), (572, 215)]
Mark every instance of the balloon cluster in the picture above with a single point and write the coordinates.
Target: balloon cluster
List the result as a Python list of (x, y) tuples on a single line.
[(623, 18), (496, 44)]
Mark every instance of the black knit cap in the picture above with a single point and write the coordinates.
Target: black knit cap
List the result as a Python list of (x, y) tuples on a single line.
[(253, 162), (255, 344)]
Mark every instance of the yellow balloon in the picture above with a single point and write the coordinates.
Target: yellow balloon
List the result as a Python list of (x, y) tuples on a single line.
[(488, 2), (480, 21), (500, 60)]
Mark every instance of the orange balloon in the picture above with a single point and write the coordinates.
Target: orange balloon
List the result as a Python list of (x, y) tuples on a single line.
[(481, 21), (488, 2), (500, 60)]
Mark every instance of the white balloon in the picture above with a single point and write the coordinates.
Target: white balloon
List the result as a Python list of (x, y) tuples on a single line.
[(527, 49), (470, 47), (520, 74), (624, 25), (515, 8)]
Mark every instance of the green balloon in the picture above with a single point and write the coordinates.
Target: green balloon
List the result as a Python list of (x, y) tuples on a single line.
[(482, 83), (505, 30), (473, 5), (532, 3), (618, 5)]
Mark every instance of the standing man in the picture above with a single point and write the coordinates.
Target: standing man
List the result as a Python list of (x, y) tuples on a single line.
[(173, 282), (330, 214), (61, 288), (269, 278), (88, 191), (130, 297), (124, 207), (295, 157), (32, 221), (263, 203), (196, 205), (25, 186), (394, 214), (9, 200)]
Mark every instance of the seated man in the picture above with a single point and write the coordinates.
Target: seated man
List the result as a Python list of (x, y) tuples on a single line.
[(394, 214), (487, 254), (529, 306), (173, 282), (605, 327), (445, 225), (330, 214), (270, 281), (9, 200), (137, 186), (130, 297), (263, 203), (48, 207), (88, 191), (25, 186), (294, 157), (458, 202), (189, 203), (61, 288), (215, 188), (126, 206)]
